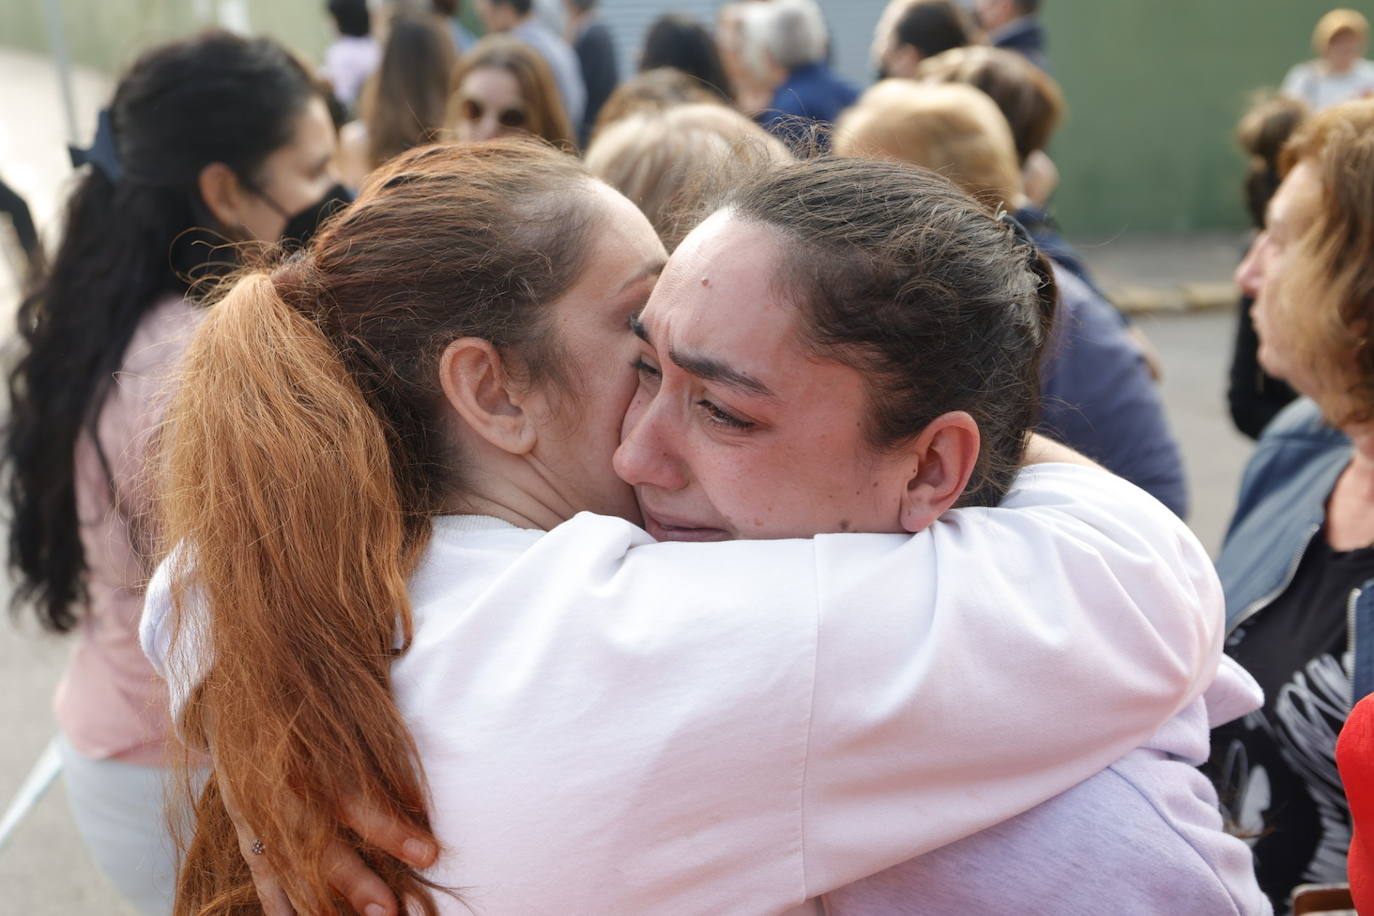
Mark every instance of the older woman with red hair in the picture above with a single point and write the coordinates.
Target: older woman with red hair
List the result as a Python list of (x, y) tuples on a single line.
[(1298, 563)]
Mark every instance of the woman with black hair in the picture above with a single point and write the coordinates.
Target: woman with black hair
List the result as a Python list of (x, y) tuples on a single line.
[(680, 42), (212, 139)]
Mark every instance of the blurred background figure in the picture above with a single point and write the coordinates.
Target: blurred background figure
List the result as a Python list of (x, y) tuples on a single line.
[(448, 11), (654, 90), (1340, 72), (1253, 395), (519, 18), (1297, 567), (503, 87), (923, 29), (354, 55), (785, 43), (21, 221), (1033, 106), (677, 164), (596, 54), (403, 105), (678, 41), (1096, 391), (211, 138), (1014, 25)]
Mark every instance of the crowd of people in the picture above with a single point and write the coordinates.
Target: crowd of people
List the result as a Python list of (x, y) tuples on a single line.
[(479, 482)]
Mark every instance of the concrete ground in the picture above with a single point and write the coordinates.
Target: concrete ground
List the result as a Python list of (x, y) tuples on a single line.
[(45, 870)]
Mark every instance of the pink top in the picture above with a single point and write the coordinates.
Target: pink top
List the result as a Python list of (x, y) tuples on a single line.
[(110, 704)]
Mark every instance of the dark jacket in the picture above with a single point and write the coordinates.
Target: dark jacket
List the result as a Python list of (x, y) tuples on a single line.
[(600, 72), (1254, 396), (1282, 505), (1097, 396), (812, 93), (1026, 37)]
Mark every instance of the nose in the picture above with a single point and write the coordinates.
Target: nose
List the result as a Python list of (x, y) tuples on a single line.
[(648, 456), (1250, 271), (488, 128)]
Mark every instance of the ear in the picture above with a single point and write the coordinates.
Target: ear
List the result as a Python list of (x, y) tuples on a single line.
[(478, 388), (223, 193), (945, 454)]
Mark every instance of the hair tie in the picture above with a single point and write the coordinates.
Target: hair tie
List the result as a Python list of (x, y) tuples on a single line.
[(102, 153), (1018, 229)]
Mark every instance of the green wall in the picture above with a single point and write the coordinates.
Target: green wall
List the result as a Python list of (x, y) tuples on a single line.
[(1155, 87), (108, 34)]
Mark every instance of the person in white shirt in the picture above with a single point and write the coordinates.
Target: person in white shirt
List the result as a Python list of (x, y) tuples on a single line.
[(389, 595), (1340, 72)]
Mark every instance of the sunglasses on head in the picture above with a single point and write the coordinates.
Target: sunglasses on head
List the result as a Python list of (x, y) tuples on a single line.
[(473, 110)]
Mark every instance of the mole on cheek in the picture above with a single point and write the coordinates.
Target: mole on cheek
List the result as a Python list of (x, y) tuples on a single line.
[(844, 524), (705, 281)]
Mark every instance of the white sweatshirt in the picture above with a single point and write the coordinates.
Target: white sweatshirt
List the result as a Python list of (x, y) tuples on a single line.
[(613, 725)]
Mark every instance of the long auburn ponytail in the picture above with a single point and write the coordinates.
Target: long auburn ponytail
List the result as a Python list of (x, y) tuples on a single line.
[(304, 455), (280, 480)]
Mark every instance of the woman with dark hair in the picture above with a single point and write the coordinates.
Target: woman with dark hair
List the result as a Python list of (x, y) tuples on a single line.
[(212, 138), (680, 42), (403, 104), (503, 88), (1253, 395), (390, 591), (924, 28), (354, 55)]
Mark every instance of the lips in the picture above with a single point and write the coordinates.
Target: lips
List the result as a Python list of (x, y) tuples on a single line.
[(671, 529)]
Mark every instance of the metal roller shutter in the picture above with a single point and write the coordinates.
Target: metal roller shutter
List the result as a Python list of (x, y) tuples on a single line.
[(851, 29)]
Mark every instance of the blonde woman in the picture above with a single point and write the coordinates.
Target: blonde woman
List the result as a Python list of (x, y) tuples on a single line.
[(1340, 71), (676, 165)]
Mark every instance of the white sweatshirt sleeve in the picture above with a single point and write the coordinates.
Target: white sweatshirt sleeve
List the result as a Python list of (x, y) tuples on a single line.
[(1039, 643)]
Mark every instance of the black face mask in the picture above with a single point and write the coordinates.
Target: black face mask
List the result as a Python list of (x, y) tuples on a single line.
[(302, 226)]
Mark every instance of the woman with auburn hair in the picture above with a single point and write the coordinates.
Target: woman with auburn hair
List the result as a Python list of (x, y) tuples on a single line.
[(503, 88), (403, 103), (677, 165), (392, 591), (1297, 565), (211, 138)]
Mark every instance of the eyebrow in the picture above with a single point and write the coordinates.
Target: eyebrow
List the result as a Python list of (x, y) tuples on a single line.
[(706, 367), (652, 269)]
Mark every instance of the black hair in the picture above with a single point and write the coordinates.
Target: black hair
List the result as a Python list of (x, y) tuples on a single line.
[(680, 42), (939, 304), (584, 6), (932, 26), (128, 244), (351, 16), (1027, 7)]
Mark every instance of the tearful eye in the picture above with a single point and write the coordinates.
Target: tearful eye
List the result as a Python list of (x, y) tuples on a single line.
[(724, 418)]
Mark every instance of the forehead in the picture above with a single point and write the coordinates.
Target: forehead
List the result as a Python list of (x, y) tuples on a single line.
[(1296, 201), (491, 83), (718, 293)]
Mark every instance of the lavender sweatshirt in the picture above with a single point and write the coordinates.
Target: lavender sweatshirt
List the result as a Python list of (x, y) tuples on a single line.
[(1141, 838)]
